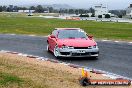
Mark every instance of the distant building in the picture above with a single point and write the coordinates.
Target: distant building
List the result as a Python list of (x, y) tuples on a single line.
[(46, 11), (26, 11), (129, 11), (101, 10)]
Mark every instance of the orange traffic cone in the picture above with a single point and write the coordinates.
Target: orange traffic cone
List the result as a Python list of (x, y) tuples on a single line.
[(84, 80), (84, 73)]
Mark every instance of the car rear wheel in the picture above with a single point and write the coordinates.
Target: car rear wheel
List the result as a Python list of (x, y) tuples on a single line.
[(48, 48), (56, 51)]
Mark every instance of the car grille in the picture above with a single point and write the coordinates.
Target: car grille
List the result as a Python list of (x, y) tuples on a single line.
[(83, 47), (65, 53), (79, 54), (84, 54)]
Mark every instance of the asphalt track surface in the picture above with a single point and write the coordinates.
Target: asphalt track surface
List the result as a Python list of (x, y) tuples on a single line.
[(114, 57)]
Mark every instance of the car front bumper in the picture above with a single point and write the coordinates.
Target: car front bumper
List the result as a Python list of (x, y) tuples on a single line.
[(94, 52)]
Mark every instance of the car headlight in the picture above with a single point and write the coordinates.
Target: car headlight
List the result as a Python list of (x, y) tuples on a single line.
[(90, 47), (95, 46), (69, 47), (64, 46)]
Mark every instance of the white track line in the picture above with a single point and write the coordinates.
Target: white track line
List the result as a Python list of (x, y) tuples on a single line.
[(12, 34), (105, 40), (117, 41), (130, 42)]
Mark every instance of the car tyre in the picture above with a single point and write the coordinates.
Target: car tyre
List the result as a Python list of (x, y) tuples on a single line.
[(48, 48)]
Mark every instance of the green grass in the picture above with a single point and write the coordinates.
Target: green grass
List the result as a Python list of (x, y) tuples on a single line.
[(42, 26), (7, 79)]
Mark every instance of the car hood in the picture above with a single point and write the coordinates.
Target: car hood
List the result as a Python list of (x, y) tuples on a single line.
[(77, 42)]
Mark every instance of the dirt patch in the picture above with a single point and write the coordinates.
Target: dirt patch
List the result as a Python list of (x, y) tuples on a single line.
[(44, 74)]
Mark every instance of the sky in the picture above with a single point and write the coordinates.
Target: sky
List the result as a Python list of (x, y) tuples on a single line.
[(112, 4)]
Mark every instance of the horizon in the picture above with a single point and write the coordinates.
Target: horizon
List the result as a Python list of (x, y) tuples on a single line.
[(112, 4)]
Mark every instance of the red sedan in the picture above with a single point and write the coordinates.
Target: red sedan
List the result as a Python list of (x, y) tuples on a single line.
[(72, 42)]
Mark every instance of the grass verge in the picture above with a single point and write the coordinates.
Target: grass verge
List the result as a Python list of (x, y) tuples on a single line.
[(21, 72), (42, 26)]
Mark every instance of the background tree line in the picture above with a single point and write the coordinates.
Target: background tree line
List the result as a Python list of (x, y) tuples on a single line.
[(41, 9), (12, 8)]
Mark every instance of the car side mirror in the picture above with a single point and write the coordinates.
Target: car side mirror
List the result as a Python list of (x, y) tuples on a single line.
[(90, 37), (52, 36)]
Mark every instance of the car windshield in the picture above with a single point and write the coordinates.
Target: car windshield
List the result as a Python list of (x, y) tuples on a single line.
[(63, 34)]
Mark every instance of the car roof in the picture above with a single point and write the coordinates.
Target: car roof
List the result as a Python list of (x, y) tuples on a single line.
[(68, 29)]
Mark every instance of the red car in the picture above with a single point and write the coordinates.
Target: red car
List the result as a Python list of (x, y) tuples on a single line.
[(72, 42)]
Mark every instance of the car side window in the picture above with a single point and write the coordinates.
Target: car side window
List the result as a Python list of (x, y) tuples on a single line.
[(54, 33)]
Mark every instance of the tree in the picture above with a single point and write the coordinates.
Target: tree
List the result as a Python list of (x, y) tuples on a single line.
[(107, 16), (56, 11), (65, 11), (23, 8), (32, 8), (71, 11), (123, 12), (61, 11), (91, 10), (15, 8), (86, 11), (99, 16), (120, 16), (76, 11), (46, 10), (0, 8), (4, 8), (81, 11), (10, 8), (118, 12), (39, 9), (93, 15), (50, 9)]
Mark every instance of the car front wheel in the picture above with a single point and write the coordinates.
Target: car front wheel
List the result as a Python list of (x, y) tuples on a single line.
[(56, 51)]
